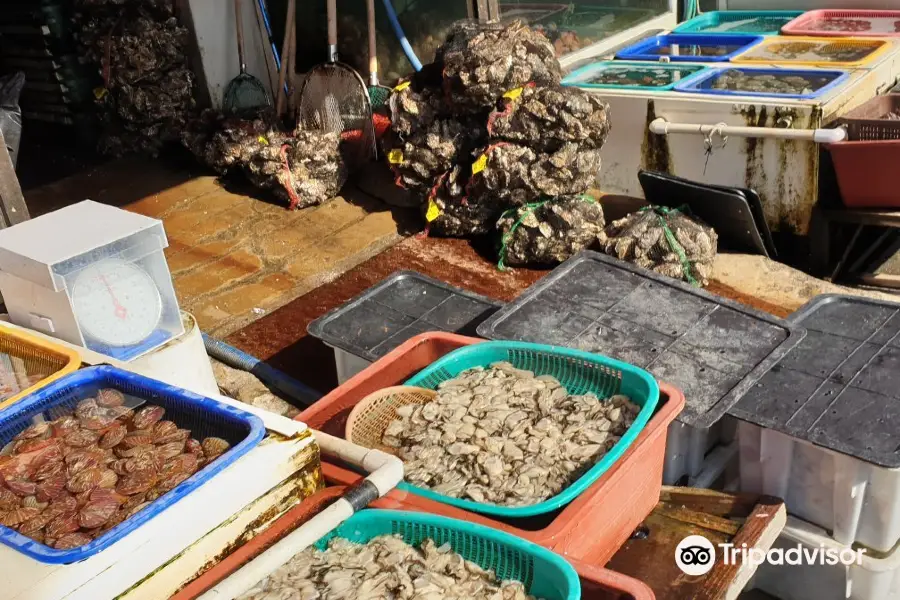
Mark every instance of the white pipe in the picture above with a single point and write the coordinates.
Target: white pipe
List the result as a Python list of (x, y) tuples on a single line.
[(245, 578), (385, 472), (660, 126)]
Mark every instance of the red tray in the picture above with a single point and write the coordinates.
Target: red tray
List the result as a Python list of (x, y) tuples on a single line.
[(881, 23)]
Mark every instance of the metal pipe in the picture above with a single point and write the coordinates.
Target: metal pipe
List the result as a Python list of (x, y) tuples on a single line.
[(660, 126), (385, 472), (269, 375)]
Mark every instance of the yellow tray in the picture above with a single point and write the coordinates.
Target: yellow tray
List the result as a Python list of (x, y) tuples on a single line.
[(32, 357), (763, 53)]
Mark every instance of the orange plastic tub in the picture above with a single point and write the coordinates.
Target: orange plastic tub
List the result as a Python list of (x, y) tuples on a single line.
[(597, 583), (589, 529), (865, 173)]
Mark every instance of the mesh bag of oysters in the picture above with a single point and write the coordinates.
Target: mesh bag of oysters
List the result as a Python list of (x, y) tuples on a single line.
[(146, 91), (666, 241), (303, 168), (549, 232), (502, 435)]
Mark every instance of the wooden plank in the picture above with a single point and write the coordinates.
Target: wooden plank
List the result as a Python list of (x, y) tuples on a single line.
[(12, 204), (884, 218), (719, 517), (880, 280)]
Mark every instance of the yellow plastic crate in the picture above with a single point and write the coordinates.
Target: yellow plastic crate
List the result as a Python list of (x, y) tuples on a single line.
[(28, 363), (814, 52)]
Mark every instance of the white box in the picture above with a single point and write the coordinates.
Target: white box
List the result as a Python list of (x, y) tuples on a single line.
[(92, 275), (875, 578), (698, 457), (858, 501)]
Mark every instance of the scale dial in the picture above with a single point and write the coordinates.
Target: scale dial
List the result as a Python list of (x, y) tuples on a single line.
[(116, 302)]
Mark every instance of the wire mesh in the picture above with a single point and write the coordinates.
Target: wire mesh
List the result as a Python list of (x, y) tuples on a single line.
[(245, 95), (334, 99)]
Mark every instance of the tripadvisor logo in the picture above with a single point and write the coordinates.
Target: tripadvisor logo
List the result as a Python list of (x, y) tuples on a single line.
[(696, 555)]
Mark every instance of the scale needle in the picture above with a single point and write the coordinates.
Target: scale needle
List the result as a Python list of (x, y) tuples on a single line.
[(120, 310)]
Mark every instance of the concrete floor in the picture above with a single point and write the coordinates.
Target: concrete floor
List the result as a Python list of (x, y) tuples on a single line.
[(234, 257)]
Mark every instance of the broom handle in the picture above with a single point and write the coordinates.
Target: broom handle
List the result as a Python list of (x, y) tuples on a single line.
[(373, 56), (239, 25), (285, 62), (332, 30)]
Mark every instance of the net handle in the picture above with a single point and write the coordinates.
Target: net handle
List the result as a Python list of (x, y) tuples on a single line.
[(239, 28), (373, 56), (332, 30)]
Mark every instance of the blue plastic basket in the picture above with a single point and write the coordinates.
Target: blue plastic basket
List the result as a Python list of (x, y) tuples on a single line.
[(578, 77), (701, 85), (203, 416), (580, 373), (646, 49), (544, 574), (768, 22)]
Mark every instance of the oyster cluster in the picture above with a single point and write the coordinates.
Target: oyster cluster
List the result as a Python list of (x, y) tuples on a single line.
[(488, 128), (505, 436), (845, 25), (550, 232), (666, 241), (385, 567), (745, 81), (67, 481), (139, 51)]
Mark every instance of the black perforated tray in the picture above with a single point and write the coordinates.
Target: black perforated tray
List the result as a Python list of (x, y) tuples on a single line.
[(840, 387), (711, 348), (402, 306)]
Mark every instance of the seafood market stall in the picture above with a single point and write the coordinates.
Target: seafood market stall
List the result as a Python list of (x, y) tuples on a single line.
[(736, 126)]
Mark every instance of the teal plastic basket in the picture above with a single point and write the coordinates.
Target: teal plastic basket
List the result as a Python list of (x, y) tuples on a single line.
[(731, 22), (543, 573), (580, 373)]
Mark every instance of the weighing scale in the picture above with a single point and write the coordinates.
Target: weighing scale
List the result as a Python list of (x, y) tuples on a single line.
[(103, 283)]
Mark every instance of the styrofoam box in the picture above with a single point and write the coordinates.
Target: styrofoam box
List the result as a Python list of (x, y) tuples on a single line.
[(856, 500), (875, 578), (697, 456), (347, 364)]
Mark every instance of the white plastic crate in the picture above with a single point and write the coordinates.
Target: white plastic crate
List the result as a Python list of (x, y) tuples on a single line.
[(877, 577), (858, 501), (348, 364), (698, 457)]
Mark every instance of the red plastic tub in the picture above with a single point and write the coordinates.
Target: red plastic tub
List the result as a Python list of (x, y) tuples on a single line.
[(597, 583), (589, 529), (867, 173)]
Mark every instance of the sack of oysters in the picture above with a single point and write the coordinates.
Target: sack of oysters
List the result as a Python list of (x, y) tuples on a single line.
[(549, 232), (304, 169), (664, 240)]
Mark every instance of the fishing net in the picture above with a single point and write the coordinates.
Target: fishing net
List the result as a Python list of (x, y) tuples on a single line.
[(549, 232), (139, 48), (449, 213), (431, 150), (516, 175), (546, 118), (483, 61), (304, 169), (666, 241)]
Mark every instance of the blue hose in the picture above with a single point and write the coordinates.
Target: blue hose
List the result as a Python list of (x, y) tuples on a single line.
[(401, 36), (270, 376)]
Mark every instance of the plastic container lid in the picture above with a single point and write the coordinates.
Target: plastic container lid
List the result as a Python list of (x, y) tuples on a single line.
[(204, 417), (727, 22), (814, 52), (689, 47), (403, 305), (840, 387), (710, 347), (803, 84), (846, 23), (617, 74)]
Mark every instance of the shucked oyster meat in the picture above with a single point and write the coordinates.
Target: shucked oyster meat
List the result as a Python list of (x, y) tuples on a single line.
[(384, 568), (505, 436)]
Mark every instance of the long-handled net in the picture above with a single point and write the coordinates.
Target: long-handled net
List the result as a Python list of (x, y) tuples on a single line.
[(245, 93)]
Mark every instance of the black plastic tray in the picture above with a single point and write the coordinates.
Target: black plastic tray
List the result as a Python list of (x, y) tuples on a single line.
[(402, 306), (711, 348), (840, 387)]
